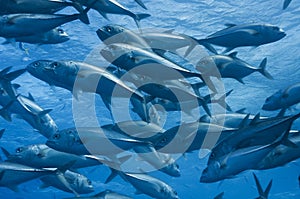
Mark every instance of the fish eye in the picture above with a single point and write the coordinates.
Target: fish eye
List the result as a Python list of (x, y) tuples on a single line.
[(109, 29), (70, 131), (212, 155), (36, 64), (177, 166), (19, 150), (56, 136), (164, 140), (175, 192), (55, 64), (89, 182), (60, 30)]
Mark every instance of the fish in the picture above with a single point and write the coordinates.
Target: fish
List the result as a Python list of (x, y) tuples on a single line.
[(139, 130), (145, 63), (230, 66), (147, 185), (13, 174), (283, 99), (167, 40), (231, 119), (55, 36), (91, 141), (113, 7), (23, 24), (262, 194), (79, 76), (112, 33), (107, 194), (257, 133), (29, 111), (162, 162), (281, 155), (237, 161), (190, 136), (244, 35), (42, 156), (34, 6), (77, 183), (286, 3), (129, 57)]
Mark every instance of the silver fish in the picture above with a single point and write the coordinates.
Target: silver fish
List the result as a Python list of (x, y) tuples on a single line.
[(85, 141), (19, 25), (237, 161), (147, 185), (13, 174), (230, 66), (42, 156), (55, 36), (77, 183), (33, 6), (162, 162), (283, 99), (260, 133), (88, 78), (244, 35)]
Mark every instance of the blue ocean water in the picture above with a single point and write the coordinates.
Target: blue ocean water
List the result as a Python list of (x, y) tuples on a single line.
[(196, 18)]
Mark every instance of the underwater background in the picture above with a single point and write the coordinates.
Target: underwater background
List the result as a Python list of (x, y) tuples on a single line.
[(196, 18)]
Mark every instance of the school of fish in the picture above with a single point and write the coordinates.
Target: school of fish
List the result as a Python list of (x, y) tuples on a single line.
[(144, 69)]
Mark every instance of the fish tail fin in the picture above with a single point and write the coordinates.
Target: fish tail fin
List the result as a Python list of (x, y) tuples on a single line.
[(267, 191), (112, 175), (222, 101), (141, 4), (208, 46), (262, 194), (139, 17), (13, 75), (258, 186), (83, 17), (286, 3), (203, 102), (262, 69)]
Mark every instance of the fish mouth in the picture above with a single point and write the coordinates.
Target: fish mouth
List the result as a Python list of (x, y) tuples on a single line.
[(101, 34), (50, 143)]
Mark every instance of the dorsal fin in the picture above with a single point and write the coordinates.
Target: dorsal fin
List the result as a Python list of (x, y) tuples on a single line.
[(13, 75), (258, 185), (229, 25), (255, 119), (241, 111), (5, 71), (16, 86), (233, 54), (5, 152), (244, 122), (169, 31), (30, 97), (1, 133)]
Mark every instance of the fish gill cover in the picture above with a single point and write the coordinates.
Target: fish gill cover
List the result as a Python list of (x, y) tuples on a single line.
[(178, 99)]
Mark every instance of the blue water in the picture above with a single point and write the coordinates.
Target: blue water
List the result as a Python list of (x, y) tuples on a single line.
[(196, 18)]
